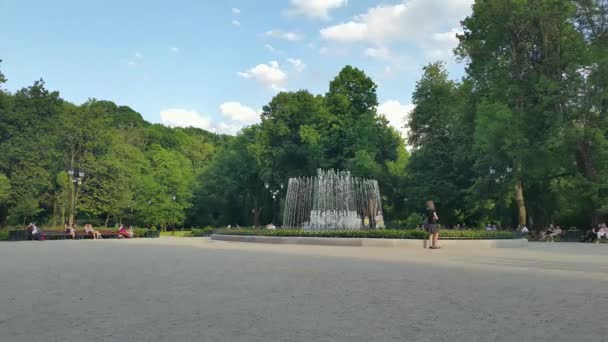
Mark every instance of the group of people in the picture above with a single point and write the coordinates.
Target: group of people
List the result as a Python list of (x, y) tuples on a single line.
[(88, 229), (70, 230), (550, 233)]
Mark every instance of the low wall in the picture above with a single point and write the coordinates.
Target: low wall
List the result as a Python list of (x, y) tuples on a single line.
[(365, 242)]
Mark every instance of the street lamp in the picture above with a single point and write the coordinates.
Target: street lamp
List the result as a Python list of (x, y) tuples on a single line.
[(274, 193), (76, 183), (173, 214)]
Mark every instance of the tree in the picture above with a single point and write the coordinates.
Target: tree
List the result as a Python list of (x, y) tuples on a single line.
[(439, 168), (526, 62)]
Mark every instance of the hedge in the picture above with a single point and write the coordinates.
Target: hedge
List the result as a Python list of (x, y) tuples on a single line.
[(198, 232), (375, 234), (3, 234)]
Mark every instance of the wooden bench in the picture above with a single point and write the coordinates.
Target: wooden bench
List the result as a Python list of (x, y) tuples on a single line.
[(62, 235)]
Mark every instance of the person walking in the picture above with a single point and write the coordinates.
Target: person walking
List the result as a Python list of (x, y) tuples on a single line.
[(431, 224)]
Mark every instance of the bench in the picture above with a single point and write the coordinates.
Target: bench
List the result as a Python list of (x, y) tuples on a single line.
[(20, 235)]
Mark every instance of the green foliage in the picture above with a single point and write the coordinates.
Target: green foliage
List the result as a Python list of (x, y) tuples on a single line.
[(477, 234), (5, 187), (374, 234), (414, 220), (4, 234), (534, 99), (207, 231), (380, 234)]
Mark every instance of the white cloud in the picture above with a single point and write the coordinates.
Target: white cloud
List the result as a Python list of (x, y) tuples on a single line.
[(444, 44), (290, 36), (379, 53), (417, 21), (236, 11), (396, 114), (297, 64), (236, 22), (179, 117), (269, 75), (174, 49), (138, 55), (348, 32), (239, 113), (270, 48), (315, 8)]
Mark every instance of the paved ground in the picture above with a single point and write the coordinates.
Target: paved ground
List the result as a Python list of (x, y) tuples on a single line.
[(195, 290)]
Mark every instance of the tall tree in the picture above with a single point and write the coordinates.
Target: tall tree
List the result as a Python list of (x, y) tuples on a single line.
[(438, 169), (524, 62)]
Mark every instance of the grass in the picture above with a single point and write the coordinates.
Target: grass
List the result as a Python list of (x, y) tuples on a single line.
[(177, 233)]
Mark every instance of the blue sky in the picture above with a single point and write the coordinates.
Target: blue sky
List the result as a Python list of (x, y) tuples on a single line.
[(214, 64)]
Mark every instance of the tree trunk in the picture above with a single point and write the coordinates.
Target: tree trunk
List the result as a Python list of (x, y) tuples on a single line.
[(54, 222), (72, 204), (585, 163), (521, 205)]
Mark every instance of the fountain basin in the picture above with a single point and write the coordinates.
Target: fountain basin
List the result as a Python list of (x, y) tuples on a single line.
[(370, 242)]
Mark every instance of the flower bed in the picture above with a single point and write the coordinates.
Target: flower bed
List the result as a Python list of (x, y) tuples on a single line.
[(375, 234)]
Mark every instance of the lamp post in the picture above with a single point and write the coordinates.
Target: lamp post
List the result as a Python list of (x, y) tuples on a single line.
[(498, 177), (173, 214), (149, 205), (76, 178), (274, 193)]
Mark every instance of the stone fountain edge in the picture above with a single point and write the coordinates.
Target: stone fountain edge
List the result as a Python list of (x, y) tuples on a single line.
[(368, 242)]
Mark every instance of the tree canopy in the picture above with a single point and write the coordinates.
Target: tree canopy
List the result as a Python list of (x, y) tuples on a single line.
[(522, 138)]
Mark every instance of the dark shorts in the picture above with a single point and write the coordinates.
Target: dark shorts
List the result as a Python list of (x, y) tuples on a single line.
[(432, 228)]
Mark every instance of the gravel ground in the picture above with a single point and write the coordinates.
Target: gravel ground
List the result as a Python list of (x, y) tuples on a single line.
[(173, 289)]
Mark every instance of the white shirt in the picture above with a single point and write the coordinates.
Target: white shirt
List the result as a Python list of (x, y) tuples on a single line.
[(525, 230)]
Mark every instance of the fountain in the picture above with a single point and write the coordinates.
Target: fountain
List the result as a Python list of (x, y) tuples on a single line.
[(333, 200)]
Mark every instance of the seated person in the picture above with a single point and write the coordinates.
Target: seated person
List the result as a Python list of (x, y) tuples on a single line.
[(523, 230), (70, 230), (124, 233), (602, 232), (591, 234), (88, 228), (37, 234)]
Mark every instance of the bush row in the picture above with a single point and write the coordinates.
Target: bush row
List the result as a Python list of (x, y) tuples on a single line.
[(198, 232), (376, 234)]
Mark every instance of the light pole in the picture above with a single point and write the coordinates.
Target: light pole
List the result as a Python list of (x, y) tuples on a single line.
[(274, 193), (173, 214), (498, 178), (76, 178), (149, 213)]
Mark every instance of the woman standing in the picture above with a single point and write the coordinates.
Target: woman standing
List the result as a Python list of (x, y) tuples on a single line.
[(431, 222)]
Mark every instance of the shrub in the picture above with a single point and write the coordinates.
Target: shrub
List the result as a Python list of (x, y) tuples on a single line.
[(390, 233), (140, 232), (414, 220), (3, 234), (374, 234), (198, 232)]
